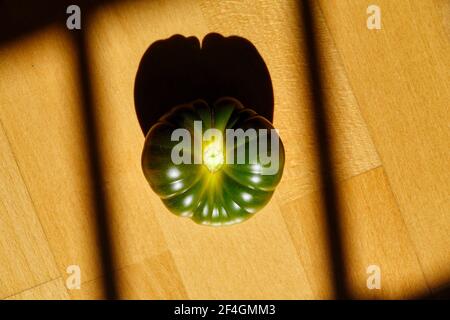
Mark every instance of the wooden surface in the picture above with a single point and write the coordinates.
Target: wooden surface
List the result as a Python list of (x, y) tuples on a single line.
[(388, 102)]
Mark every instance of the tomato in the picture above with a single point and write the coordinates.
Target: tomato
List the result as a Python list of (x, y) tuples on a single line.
[(213, 184)]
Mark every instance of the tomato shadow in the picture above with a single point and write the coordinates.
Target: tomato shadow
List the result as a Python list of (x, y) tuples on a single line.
[(179, 70)]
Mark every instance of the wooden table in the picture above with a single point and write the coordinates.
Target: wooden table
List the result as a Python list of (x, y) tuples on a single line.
[(387, 94)]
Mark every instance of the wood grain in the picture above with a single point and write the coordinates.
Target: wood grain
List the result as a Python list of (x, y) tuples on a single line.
[(52, 290), (40, 114), (153, 278), (45, 127), (25, 256), (400, 78), (375, 234)]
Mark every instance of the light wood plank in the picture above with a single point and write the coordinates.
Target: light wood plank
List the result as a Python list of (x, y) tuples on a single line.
[(52, 290), (25, 256), (400, 78), (252, 260), (154, 278), (374, 234), (41, 112)]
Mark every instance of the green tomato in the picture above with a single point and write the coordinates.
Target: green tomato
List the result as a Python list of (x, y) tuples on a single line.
[(217, 182)]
